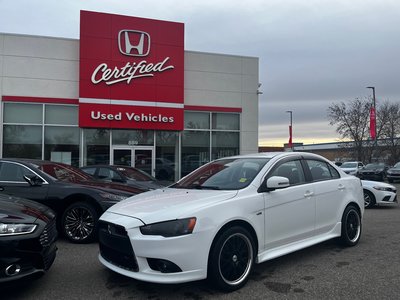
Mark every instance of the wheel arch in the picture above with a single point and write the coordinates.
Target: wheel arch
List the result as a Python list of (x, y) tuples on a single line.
[(240, 223), (79, 197)]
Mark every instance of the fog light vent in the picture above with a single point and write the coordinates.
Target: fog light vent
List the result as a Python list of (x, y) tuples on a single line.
[(162, 265)]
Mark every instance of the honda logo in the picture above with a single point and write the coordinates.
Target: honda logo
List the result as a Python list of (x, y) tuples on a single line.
[(134, 42)]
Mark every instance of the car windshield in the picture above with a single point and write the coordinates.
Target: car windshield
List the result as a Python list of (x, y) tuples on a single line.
[(223, 174), (349, 165), (374, 166), (135, 174), (397, 165), (64, 172)]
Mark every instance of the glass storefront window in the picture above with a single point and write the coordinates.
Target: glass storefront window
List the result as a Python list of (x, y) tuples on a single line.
[(96, 146), (225, 121), (61, 114), (224, 144), (195, 150), (197, 120), (22, 113), (167, 152), (133, 137), (61, 144), (22, 141)]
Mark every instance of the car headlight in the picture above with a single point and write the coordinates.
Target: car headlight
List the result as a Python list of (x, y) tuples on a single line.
[(382, 188), (14, 229), (170, 228), (113, 197)]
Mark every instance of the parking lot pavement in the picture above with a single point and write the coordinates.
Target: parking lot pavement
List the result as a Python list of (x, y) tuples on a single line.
[(326, 271)]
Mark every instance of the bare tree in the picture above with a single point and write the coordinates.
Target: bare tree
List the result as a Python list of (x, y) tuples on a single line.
[(389, 115), (352, 123)]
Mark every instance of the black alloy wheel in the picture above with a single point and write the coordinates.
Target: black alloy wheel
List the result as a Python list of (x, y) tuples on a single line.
[(79, 222), (351, 226), (231, 259)]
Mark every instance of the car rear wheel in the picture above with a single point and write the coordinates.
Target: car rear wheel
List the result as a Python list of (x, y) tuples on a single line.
[(369, 199), (351, 226), (79, 222), (231, 259)]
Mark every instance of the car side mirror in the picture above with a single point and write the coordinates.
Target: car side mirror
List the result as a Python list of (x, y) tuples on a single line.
[(33, 180), (274, 183)]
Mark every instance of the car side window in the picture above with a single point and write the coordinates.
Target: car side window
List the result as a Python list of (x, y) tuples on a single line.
[(334, 172), (320, 170), (13, 172), (105, 173), (292, 170), (90, 171)]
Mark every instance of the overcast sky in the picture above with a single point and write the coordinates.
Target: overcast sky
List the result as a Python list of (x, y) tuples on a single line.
[(312, 52)]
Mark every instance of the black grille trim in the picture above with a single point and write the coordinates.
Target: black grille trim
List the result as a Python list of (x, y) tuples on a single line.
[(115, 246)]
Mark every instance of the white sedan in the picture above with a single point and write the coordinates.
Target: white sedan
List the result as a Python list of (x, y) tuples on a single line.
[(378, 193), (222, 218)]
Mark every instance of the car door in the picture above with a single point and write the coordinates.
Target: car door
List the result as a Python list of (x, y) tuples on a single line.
[(327, 191), (12, 182), (290, 211)]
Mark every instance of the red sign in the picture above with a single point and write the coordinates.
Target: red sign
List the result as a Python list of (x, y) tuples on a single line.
[(131, 72), (372, 123)]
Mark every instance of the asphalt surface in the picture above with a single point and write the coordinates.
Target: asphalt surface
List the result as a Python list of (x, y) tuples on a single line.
[(370, 270)]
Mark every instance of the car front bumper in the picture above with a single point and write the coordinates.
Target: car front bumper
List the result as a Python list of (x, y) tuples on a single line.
[(158, 259), (25, 255)]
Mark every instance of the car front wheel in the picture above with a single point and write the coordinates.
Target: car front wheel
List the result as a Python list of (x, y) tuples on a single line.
[(79, 222), (369, 199), (351, 226), (231, 259)]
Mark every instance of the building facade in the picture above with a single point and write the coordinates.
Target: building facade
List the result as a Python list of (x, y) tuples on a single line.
[(126, 92)]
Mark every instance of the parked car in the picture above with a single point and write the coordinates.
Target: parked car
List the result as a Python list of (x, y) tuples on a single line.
[(229, 214), (378, 193), (393, 173), (27, 238), (373, 171), (125, 175), (352, 167), (74, 195)]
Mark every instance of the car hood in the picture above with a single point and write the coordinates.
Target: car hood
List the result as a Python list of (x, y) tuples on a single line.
[(15, 210), (145, 185), (371, 184), (168, 203), (348, 169)]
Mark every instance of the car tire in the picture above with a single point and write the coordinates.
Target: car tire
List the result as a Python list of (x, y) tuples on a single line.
[(369, 199), (79, 222), (231, 259), (351, 226)]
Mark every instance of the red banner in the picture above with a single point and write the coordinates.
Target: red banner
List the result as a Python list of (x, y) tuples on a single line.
[(290, 144), (372, 123)]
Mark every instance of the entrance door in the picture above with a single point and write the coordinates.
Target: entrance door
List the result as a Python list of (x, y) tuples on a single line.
[(138, 157)]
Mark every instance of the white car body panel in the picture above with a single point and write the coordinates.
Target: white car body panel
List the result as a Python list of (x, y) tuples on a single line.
[(283, 220), (387, 196)]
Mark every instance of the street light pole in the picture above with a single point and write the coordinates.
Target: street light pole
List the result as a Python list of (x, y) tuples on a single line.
[(374, 105), (291, 129)]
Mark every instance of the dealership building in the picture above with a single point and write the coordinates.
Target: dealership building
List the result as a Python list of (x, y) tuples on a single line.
[(127, 92)]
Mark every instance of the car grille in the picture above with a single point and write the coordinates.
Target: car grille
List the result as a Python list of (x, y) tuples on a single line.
[(49, 234), (115, 246)]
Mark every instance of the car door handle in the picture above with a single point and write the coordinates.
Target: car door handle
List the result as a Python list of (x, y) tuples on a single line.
[(341, 187), (308, 194), (1, 189)]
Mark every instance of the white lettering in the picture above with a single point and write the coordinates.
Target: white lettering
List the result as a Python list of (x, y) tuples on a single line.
[(128, 72)]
